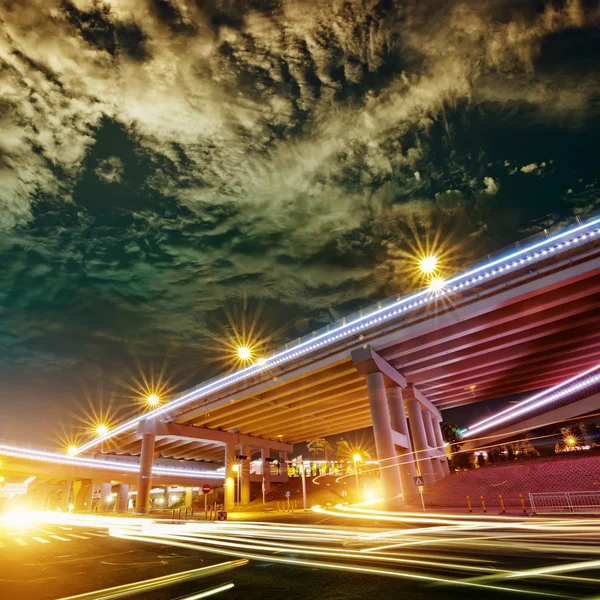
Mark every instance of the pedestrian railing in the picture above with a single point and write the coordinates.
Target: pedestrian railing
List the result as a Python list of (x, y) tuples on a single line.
[(566, 502)]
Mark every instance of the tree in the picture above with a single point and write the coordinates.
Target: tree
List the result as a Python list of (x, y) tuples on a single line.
[(343, 452), (319, 446), (451, 434)]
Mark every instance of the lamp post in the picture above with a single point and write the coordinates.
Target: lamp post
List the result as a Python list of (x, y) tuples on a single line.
[(357, 458), (236, 469)]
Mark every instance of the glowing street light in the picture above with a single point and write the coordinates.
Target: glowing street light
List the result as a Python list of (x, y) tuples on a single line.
[(428, 264), (72, 450), (436, 284), (571, 441), (244, 353), (101, 430), (153, 400)]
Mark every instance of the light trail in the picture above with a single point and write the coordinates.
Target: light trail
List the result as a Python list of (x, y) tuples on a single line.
[(461, 551), (138, 587)]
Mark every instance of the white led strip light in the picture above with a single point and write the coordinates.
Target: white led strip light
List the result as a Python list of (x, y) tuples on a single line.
[(553, 245), (540, 399), (52, 457)]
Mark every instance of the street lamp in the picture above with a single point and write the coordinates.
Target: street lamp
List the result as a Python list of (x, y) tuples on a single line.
[(436, 284), (236, 469), (428, 264), (153, 400), (357, 458), (72, 450), (101, 430), (244, 353)]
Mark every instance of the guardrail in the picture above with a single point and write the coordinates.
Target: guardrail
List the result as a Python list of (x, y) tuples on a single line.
[(565, 502)]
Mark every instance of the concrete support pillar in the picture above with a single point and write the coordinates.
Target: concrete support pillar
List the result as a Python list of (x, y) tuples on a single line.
[(65, 496), (83, 491), (406, 460), (142, 502), (439, 440), (106, 500), (417, 429), (432, 442), (245, 476), (283, 456), (230, 477), (189, 497), (122, 498), (264, 454), (382, 430)]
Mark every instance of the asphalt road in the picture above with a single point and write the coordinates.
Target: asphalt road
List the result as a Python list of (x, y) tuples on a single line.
[(48, 562)]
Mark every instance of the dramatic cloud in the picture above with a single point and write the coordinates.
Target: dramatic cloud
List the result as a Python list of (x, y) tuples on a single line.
[(161, 157), (491, 187)]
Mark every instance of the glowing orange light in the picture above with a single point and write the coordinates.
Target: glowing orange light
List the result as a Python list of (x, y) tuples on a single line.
[(436, 284), (101, 430), (428, 264), (153, 400), (244, 353)]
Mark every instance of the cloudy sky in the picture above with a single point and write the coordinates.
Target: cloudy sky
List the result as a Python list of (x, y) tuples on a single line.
[(163, 162)]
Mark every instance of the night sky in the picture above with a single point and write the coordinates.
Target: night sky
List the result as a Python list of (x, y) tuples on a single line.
[(165, 163)]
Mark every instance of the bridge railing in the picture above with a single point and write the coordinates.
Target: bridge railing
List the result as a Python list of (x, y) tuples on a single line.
[(565, 502)]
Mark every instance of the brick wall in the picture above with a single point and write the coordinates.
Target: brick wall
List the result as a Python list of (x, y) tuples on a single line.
[(562, 473)]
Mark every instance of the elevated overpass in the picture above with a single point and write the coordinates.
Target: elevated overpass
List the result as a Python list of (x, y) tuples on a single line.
[(51, 470), (518, 322)]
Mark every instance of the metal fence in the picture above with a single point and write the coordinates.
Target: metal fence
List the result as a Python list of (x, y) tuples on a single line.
[(566, 502)]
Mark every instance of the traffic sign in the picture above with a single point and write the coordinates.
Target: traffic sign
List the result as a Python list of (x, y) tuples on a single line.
[(419, 480), (288, 494), (206, 488)]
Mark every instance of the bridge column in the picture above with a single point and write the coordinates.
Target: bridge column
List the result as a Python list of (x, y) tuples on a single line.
[(142, 501), (432, 443), (384, 443), (245, 475), (189, 497), (230, 477), (406, 460), (65, 496), (83, 491), (106, 504), (266, 466), (439, 440), (122, 498), (283, 456), (417, 428)]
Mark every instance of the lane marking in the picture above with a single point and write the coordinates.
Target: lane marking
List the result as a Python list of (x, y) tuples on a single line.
[(61, 539), (2, 544), (66, 528), (40, 540), (97, 534), (21, 542), (81, 537)]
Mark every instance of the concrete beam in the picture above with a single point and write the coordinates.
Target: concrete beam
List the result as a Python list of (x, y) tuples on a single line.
[(367, 361), (213, 435), (400, 439), (420, 397)]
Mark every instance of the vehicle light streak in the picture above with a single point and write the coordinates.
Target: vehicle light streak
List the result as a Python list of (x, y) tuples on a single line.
[(172, 541), (419, 554), (138, 587)]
